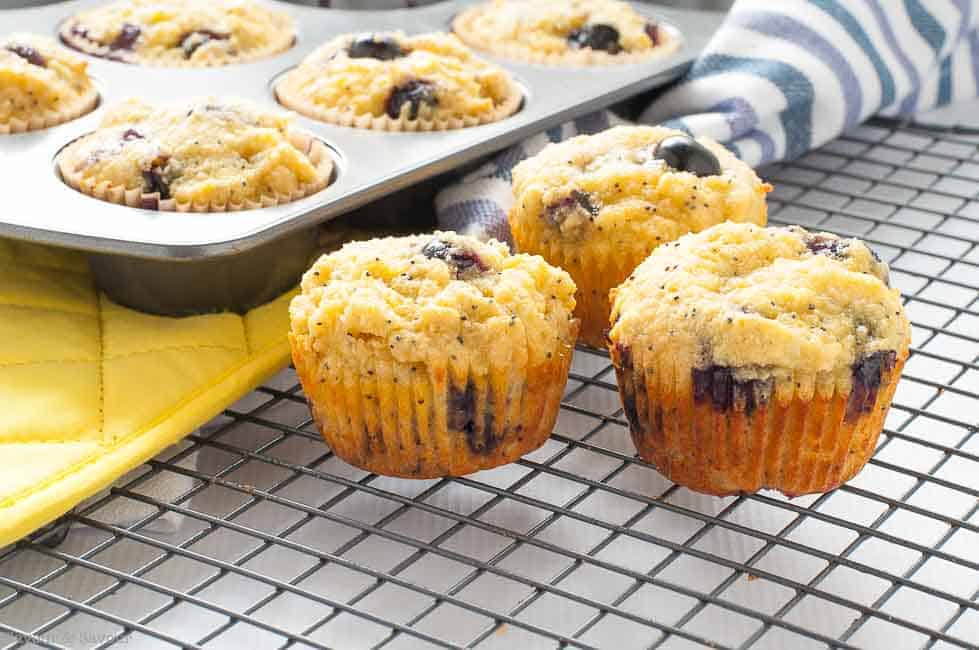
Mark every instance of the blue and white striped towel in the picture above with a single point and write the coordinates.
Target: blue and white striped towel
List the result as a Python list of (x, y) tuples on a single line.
[(777, 80)]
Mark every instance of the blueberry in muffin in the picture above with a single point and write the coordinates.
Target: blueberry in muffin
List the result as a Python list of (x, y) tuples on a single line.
[(43, 84), (180, 33), (564, 32), (390, 81), (382, 47), (203, 155)]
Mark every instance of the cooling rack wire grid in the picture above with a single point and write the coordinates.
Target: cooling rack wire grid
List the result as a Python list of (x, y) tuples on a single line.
[(273, 542)]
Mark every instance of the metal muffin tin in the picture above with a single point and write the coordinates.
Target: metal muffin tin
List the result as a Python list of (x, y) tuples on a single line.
[(177, 263)]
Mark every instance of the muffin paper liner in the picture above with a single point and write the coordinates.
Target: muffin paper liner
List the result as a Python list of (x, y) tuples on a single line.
[(432, 419), (81, 106), (801, 438), (586, 57), (426, 121), (594, 275), (316, 150), (283, 42)]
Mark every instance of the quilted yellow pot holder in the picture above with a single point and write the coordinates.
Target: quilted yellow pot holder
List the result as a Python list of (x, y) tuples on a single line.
[(89, 390)]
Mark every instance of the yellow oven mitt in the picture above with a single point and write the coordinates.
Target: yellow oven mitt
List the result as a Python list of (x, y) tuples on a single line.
[(89, 390)]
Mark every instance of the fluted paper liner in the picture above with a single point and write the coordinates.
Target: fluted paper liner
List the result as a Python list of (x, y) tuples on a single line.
[(585, 57), (283, 41), (426, 120), (800, 440), (433, 419), (317, 152), (82, 105), (594, 275)]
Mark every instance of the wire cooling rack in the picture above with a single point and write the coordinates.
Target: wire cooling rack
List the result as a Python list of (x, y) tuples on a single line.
[(250, 533)]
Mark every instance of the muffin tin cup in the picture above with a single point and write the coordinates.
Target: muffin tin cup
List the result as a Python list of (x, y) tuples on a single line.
[(798, 441), (433, 419), (82, 106), (341, 117), (577, 58), (369, 164), (92, 48), (317, 153), (235, 283)]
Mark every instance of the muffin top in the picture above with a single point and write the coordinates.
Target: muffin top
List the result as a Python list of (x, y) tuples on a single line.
[(205, 152), (41, 82), (431, 77), (633, 184), (436, 296), (763, 302), (564, 31), (180, 32)]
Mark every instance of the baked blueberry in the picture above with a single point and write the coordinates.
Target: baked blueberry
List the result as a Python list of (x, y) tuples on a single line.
[(414, 93), (597, 36), (577, 203), (79, 31), (652, 31), (829, 246), (155, 179), (683, 153), (127, 37), (370, 46), (27, 53), (191, 41), (462, 416), (132, 134), (460, 259), (726, 391), (868, 373)]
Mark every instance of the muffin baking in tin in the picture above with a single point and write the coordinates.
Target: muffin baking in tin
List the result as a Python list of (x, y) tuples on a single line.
[(564, 32), (180, 33), (42, 84), (204, 155), (393, 82)]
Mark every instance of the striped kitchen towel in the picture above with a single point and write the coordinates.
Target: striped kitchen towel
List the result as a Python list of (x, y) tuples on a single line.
[(777, 80)]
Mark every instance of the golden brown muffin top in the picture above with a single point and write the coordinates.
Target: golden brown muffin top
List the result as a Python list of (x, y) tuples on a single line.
[(430, 296), (619, 189), (564, 31), (180, 32), (40, 77), (203, 152), (427, 77), (764, 302)]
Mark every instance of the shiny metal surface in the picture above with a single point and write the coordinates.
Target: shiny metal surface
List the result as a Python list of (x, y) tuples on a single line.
[(38, 206), (235, 283)]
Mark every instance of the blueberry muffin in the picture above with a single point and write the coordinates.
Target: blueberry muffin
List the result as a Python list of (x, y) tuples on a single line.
[(203, 155), (752, 358), (434, 355), (598, 205), (41, 84), (394, 82), (180, 33), (564, 32)]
